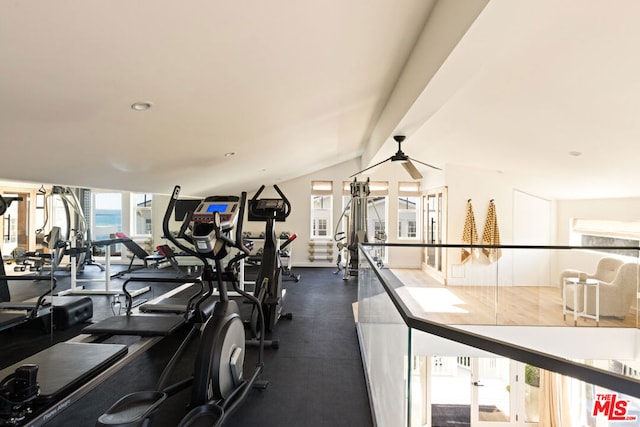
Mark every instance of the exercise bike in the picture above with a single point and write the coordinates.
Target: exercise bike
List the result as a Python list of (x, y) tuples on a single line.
[(218, 386)]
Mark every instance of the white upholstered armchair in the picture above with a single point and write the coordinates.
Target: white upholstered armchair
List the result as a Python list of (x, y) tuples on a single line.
[(616, 294), (605, 271)]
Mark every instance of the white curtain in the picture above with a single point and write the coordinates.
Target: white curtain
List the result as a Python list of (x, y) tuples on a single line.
[(554, 400)]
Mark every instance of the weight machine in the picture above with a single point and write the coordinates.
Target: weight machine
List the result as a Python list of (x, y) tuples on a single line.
[(68, 236), (356, 229)]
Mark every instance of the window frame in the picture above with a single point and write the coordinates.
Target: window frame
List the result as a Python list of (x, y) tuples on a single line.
[(409, 192), (593, 232), (321, 218), (145, 212)]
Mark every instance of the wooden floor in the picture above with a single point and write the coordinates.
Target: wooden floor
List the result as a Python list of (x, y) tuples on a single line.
[(484, 305)]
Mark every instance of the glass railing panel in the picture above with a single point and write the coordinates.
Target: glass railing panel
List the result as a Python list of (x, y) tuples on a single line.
[(384, 341), (452, 383), (525, 286), (592, 359)]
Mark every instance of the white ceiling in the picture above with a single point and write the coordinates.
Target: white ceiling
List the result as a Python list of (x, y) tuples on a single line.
[(295, 86)]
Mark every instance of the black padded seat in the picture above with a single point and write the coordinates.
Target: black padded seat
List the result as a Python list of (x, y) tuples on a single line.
[(65, 366), (145, 325)]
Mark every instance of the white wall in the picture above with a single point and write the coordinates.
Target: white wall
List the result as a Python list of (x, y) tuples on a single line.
[(531, 226), (480, 186)]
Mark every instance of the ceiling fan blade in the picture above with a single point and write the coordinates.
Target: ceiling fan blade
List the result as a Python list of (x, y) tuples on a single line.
[(409, 167), (370, 167), (426, 164)]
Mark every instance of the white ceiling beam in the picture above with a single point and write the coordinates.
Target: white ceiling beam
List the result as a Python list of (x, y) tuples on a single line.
[(445, 27)]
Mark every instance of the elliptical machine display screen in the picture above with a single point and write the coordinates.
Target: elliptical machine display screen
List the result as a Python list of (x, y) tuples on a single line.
[(217, 208), (226, 206)]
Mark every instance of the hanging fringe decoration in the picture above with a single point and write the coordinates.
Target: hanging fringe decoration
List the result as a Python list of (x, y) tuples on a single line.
[(469, 235), (491, 234)]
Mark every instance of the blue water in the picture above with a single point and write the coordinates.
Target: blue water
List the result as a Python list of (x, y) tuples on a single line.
[(108, 221), (108, 218)]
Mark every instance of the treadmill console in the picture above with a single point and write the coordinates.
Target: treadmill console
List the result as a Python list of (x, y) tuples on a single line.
[(226, 206)]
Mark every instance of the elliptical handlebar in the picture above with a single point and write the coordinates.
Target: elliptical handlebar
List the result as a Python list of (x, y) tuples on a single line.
[(255, 196), (286, 201), (239, 244), (165, 223)]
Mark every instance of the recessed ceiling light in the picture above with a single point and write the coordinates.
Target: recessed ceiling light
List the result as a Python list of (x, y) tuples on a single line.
[(230, 154), (140, 106), (575, 153)]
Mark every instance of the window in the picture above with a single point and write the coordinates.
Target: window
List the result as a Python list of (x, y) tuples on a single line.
[(377, 219), (142, 213), (412, 230), (320, 227), (379, 231), (107, 216), (408, 207), (321, 209), (588, 232), (407, 217), (10, 226)]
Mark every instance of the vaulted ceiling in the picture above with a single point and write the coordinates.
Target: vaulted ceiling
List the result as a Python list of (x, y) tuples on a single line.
[(244, 93)]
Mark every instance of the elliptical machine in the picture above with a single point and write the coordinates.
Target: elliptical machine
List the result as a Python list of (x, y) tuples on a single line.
[(268, 287), (218, 386)]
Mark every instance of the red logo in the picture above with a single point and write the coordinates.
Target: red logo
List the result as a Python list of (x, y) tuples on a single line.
[(614, 409)]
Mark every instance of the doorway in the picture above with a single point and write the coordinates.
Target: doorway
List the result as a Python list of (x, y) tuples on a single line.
[(434, 222), (471, 392)]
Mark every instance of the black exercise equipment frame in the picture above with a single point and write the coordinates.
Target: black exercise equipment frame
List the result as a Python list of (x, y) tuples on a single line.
[(268, 283), (207, 401)]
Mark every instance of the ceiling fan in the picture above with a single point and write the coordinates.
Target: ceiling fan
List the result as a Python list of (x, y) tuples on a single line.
[(402, 158)]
